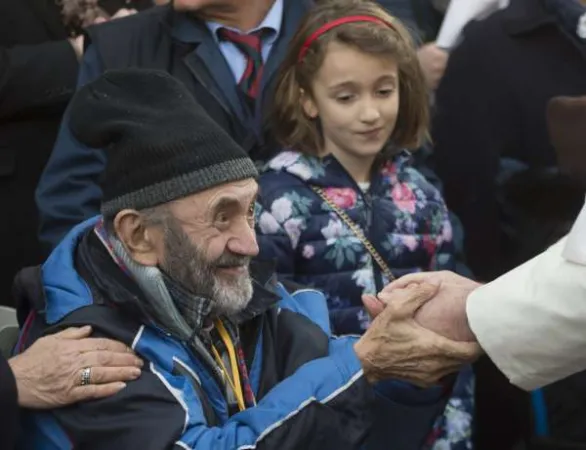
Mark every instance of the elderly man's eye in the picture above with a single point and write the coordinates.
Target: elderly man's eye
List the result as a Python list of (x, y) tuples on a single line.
[(222, 218)]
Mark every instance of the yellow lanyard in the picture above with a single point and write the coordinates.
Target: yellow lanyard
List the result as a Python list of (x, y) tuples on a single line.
[(234, 382)]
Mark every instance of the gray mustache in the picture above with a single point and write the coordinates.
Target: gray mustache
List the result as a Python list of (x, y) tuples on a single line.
[(229, 260)]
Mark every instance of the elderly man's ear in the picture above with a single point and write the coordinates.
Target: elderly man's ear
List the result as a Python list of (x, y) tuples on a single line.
[(143, 244)]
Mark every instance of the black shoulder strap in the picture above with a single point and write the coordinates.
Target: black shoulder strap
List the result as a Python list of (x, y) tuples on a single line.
[(28, 293)]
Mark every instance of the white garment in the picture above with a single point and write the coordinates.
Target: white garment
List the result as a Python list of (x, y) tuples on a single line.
[(575, 250), (532, 320), (459, 13), (364, 186)]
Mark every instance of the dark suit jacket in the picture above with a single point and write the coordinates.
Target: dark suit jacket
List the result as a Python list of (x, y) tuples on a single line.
[(38, 73), (38, 69), (491, 104)]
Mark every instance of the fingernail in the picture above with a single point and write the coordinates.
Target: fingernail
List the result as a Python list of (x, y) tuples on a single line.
[(136, 373), (120, 385), (139, 362)]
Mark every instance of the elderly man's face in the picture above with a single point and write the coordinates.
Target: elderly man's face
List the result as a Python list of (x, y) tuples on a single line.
[(207, 242)]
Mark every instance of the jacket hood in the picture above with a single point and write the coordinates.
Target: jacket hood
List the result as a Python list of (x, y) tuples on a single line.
[(65, 290)]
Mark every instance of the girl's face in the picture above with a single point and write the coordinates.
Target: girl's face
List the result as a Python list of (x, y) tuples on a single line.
[(356, 98)]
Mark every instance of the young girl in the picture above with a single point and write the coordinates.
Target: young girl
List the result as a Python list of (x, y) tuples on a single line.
[(341, 209)]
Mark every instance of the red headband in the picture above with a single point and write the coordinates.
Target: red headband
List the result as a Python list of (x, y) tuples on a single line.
[(336, 23)]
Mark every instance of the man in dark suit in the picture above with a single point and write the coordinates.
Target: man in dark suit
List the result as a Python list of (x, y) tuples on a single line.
[(206, 44), (38, 70)]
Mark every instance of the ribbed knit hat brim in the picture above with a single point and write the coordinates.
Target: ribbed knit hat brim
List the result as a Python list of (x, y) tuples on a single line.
[(160, 143)]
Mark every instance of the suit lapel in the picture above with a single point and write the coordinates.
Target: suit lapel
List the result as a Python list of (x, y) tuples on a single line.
[(207, 64)]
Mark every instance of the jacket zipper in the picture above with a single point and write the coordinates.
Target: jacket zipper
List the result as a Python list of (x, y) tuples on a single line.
[(367, 198)]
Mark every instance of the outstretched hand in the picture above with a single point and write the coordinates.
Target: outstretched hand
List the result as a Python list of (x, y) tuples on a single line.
[(397, 346), (444, 314)]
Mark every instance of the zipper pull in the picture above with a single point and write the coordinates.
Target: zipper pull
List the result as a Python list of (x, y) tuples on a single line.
[(368, 204), (368, 199)]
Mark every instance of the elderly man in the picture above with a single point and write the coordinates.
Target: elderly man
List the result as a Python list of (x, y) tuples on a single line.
[(232, 359)]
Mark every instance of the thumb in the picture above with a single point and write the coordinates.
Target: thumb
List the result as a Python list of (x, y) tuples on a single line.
[(406, 302), (372, 305), (75, 333)]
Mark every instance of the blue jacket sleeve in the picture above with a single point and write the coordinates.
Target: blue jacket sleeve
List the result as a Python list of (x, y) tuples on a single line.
[(68, 192), (325, 404), (326, 401)]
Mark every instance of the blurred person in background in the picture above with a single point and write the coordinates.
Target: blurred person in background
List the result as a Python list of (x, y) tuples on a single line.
[(492, 151), (40, 46), (496, 161)]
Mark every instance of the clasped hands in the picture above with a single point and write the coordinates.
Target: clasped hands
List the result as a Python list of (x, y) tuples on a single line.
[(419, 331)]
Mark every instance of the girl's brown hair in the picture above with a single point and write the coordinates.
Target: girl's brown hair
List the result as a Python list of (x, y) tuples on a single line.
[(290, 125)]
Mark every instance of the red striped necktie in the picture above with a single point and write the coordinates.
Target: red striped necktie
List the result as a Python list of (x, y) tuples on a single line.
[(251, 46)]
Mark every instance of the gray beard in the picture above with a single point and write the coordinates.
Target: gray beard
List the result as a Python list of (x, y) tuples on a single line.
[(186, 265)]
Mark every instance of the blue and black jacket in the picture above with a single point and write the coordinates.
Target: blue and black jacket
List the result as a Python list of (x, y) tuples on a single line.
[(309, 384)]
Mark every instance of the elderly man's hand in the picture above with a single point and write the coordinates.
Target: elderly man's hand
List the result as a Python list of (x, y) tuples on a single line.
[(445, 314), (396, 346), (49, 373)]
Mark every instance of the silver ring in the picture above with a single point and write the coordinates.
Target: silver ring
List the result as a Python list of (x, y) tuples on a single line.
[(86, 375)]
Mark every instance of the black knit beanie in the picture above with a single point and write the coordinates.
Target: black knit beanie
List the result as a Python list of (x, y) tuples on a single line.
[(160, 143)]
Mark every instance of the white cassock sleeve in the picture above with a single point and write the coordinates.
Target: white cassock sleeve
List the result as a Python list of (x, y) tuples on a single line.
[(459, 13), (532, 321)]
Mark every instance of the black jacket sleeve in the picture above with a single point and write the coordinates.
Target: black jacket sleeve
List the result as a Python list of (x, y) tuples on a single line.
[(9, 415), (34, 77), (476, 122)]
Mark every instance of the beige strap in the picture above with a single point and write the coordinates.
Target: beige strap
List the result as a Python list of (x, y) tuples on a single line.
[(358, 232)]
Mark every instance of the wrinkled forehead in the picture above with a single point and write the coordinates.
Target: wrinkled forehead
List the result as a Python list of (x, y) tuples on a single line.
[(236, 194)]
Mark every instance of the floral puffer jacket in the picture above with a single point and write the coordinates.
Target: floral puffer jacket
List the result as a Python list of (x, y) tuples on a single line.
[(401, 214)]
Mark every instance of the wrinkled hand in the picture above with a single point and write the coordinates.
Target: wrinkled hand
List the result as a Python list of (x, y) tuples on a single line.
[(48, 374), (433, 62), (445, 314), (396, 346)]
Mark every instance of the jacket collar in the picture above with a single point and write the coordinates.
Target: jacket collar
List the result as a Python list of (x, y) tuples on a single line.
[(189, 30), (328, 172), (526, 16)]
